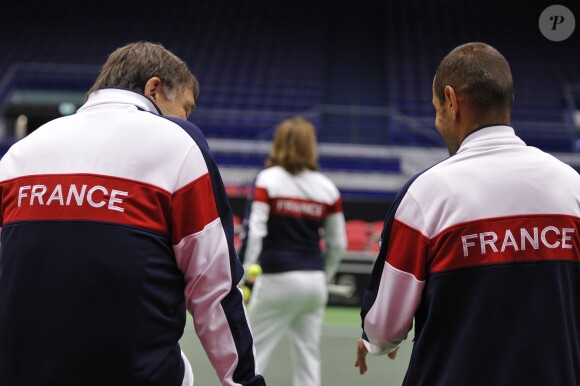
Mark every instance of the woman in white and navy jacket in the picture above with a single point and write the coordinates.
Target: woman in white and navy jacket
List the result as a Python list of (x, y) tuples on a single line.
[(293, 206)]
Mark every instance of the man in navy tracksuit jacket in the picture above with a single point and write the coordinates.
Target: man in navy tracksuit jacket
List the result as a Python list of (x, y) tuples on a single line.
[(114, 222), (482, 249)]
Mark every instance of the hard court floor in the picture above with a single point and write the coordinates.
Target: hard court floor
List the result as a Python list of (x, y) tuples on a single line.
[(338, 350)]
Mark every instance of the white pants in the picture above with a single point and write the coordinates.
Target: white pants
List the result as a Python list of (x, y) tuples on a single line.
[(290, 304), (188, 375)]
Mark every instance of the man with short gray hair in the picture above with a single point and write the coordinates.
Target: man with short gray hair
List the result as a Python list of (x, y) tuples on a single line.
[(115, 221)]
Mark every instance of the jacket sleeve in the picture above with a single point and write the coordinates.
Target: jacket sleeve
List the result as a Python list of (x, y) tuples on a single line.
[(397, 280), (334, 239), (257, 224), (203, 232), (256, 216)]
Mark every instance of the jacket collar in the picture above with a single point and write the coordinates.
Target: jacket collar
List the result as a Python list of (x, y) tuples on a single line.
[(122, 96), (490, 136)]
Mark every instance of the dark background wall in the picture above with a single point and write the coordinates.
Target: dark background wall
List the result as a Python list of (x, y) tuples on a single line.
[(361, 70)]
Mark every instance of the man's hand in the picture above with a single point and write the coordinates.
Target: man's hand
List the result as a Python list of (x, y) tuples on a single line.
[(361, 357)]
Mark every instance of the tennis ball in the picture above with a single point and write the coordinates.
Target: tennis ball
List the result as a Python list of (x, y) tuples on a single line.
[(254, 270), (247, 292)]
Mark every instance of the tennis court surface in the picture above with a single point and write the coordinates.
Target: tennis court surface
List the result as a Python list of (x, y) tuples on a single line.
[(338, 350)]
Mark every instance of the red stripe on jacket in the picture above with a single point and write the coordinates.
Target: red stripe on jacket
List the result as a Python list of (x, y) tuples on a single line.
[(484, 242), (297, 207), (193, 208), (86, 197), (507, 240)]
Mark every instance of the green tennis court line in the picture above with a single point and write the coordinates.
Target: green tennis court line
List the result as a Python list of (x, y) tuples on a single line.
[(337, 316)]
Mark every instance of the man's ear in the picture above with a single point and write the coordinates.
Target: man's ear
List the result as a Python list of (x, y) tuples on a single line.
[(451, 102), (153, 88)]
